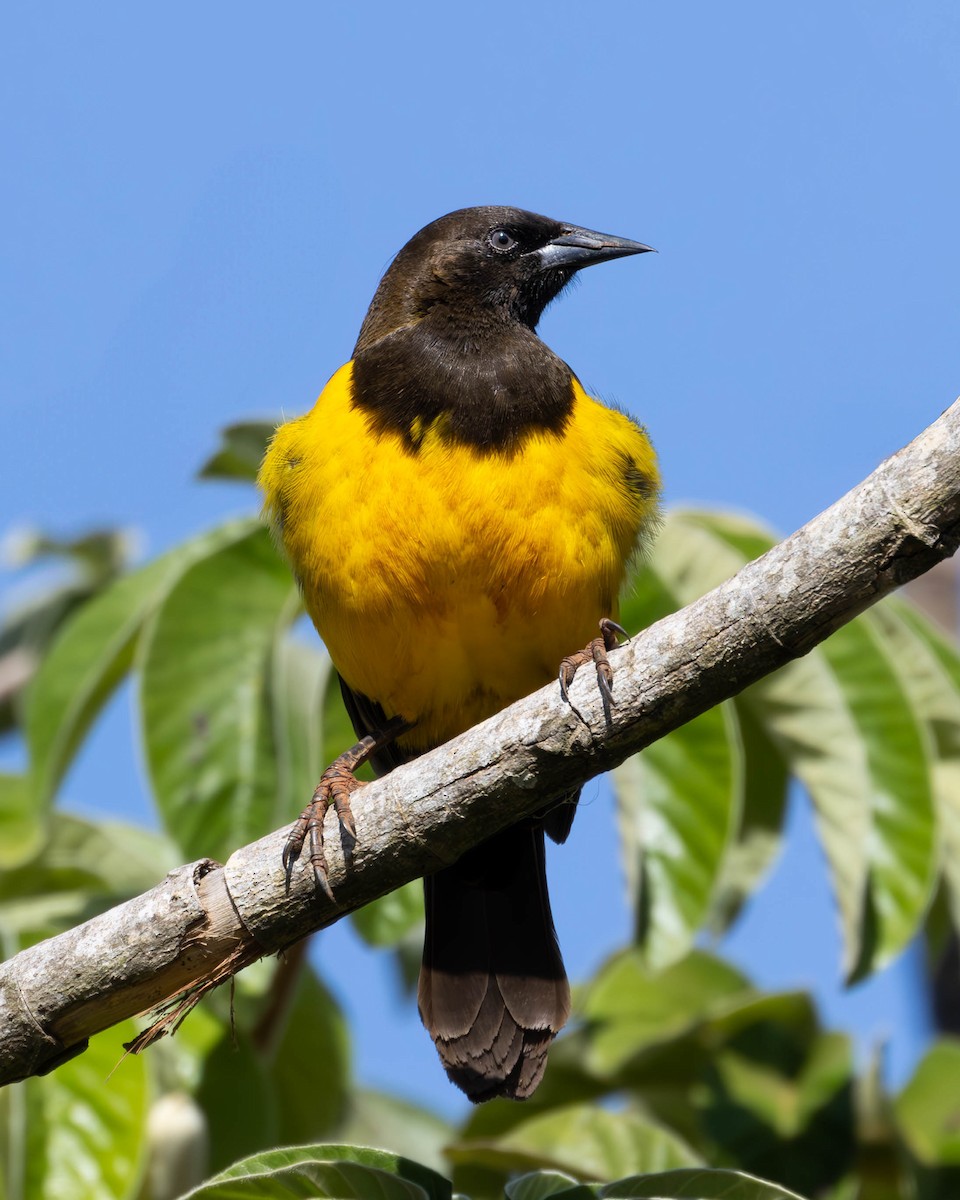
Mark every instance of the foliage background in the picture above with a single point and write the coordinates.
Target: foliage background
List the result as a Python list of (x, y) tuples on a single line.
[(201, 199)]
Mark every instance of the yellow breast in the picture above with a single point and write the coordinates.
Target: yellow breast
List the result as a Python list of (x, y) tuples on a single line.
[(447, 580)]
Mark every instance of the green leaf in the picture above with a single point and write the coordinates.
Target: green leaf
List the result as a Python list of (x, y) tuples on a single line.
[(930, 665), (679, 803), (697, 551), (943, 649), (799, 708), (240, 453), (179, 1062), (79, 1131), (96, 556), (338, 732), (787, 1022), (588, 1142), (397, 1125), (784, 1105), (928, 1109), (21, 823), (83, 868), (760, 834), (648, 598), (828, 1070), (697, 1184), (745, 536), (388, 920), (234, 1069), (28, 628), (206, 719), (314, 1181), (629, 1008), (335, 1171), (902, 848), (539, 1185), (90, 656), (843, 720), (84, 666), (315, 1033), (299, 678), (777, 1096), (849, 1189)]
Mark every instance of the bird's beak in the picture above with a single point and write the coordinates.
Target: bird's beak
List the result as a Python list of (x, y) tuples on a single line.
[(579, 248)]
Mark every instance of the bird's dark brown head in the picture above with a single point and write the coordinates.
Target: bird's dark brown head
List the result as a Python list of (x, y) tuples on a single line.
[(448, 341), (478, 268)]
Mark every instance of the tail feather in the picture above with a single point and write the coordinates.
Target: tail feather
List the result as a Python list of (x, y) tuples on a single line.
[(493, 992)]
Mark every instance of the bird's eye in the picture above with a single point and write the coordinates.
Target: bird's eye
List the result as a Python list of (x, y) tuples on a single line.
[(502, 239)]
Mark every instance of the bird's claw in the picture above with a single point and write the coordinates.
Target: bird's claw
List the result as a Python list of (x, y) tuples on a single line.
[(595, 652), (336, 785)]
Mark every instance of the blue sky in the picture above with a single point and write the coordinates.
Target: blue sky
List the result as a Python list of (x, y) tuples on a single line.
[(199, 200)]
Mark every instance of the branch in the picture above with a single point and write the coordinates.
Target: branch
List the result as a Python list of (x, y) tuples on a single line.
[(205, 921)]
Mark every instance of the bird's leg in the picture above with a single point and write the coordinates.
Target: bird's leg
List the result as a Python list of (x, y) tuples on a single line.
[(336, 785), (595, 652)]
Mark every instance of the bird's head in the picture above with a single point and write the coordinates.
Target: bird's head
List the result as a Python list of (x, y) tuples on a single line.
[(479, 267)]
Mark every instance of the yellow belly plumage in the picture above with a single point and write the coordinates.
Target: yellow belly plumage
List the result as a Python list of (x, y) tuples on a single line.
[(446, 580)]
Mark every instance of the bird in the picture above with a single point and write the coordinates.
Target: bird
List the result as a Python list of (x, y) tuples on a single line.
[(461, 516)]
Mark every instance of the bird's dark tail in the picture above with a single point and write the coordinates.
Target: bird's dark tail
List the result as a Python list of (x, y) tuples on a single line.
[(493, 992)]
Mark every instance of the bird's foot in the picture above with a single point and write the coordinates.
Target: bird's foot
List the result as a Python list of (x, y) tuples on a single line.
[(595, 652), (337, 784)]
